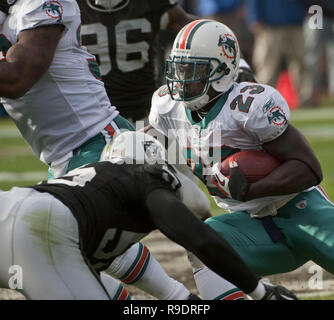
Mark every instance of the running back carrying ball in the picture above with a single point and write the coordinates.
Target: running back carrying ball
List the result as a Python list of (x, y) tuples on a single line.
[(254, 164)]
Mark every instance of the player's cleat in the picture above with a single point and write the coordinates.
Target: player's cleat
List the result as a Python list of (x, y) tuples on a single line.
[(277, 293), (193, 296)]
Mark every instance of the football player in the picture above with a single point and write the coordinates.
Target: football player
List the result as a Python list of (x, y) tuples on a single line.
[(277, 223), (52, 89), (51, 86), (122, 35), (63, 231)]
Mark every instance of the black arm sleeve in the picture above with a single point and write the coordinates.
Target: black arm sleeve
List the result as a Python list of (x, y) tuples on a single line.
[(177, 222)]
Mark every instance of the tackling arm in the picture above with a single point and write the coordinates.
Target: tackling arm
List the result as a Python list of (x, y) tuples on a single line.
[(175, 220), (300, 167), (28, 60)]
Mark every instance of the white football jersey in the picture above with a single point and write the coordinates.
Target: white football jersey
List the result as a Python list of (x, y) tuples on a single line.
[(68, 105), (245, 117)]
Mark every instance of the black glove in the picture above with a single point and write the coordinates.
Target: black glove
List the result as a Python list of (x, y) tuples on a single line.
[(193, 296), (234, 186), (246, 74), (238, 183), (277, 293), (5, 4)]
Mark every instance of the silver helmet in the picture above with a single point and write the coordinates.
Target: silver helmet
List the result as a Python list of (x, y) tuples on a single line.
[(107, 5)]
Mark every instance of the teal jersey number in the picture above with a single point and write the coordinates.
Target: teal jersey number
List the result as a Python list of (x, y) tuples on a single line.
[(244, 105)]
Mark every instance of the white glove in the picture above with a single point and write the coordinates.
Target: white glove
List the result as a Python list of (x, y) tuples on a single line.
[(220, 181), (234, 186)]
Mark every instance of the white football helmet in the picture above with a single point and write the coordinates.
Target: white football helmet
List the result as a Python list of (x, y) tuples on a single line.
[(107, 5), (134, 147), (205, 53)]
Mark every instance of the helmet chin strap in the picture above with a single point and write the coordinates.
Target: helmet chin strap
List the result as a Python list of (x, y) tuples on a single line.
[(200, 102), (197, 103)]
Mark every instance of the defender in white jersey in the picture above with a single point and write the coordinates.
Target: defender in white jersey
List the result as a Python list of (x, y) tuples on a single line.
[(51, 86), (275, 224)]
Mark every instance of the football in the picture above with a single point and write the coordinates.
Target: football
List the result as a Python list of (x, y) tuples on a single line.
[(254, 164)]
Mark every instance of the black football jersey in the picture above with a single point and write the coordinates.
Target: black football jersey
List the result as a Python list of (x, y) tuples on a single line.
[(108, 202), (124, 43)]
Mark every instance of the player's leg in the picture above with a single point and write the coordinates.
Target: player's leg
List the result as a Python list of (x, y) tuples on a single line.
[(210, 285), (145, 273), (308, 223), (115, 288), (266, 55), (251, 241), (91, 150), (45, 244)]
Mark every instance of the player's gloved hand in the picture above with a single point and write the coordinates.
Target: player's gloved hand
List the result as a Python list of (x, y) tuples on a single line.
[(277, 293), (246, 74), (234, 186)]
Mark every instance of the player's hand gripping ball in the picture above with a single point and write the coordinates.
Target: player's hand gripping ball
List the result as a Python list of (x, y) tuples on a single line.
[(233, 175)]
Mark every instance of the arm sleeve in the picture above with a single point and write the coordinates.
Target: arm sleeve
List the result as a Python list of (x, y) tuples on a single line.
[(174, 220), (269, 118), (35, 13)]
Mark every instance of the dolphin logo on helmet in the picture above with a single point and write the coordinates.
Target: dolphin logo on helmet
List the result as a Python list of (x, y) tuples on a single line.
[(229, 47)]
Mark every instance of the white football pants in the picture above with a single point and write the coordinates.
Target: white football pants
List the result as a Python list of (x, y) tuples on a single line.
[(39, 249)]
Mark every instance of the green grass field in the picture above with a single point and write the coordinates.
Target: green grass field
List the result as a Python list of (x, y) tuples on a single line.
[(19, 167)]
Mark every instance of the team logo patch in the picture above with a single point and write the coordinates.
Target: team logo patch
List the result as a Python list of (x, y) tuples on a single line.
[(270, 104), (54, 10), (276, 116), (152, 150), (229, 47)]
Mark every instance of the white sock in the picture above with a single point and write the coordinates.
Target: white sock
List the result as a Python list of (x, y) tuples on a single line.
[(138, 267), (259, 292), (114, 288), (210, 285), (213, 287)]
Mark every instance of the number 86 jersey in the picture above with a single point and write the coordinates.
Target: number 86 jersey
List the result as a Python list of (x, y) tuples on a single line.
[(124, 43), (245, 117)]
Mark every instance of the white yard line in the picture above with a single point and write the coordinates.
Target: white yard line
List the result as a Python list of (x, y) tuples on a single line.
[(9, 132), (318, 132), (23, 176), (313, 114)]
